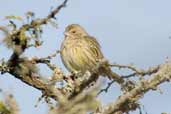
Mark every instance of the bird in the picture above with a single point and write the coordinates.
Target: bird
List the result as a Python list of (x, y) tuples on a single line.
[(81, 52)]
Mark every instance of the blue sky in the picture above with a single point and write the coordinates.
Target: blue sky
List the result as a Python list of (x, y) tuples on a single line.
[(129, 31)]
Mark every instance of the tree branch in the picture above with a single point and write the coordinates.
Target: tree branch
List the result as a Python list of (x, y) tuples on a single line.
[(136, 71), (38, 83), (163, 75), (21, 68), (42, 21)]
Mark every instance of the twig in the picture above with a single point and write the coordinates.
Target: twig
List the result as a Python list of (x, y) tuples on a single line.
[(46, 60), (55, 11), (42, 21), (136, 70), (106, 88)]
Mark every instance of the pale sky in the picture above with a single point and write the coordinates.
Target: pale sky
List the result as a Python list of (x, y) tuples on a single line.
[(129, 31)]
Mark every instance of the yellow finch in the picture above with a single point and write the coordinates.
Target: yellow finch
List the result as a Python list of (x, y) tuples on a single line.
[(81, 52)]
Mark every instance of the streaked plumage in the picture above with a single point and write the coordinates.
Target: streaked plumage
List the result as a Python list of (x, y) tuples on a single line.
[(80, 52)]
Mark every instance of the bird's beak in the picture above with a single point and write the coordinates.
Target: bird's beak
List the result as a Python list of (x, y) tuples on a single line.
[(66, 34)]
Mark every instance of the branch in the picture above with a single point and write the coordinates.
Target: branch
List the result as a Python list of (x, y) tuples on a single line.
[(136, 71), (82, 103), (39, 22), (84, 84), (18, 40), (22, 68), (55, 11), (38, 83), (106, 88), (123, 101), (45, 60)]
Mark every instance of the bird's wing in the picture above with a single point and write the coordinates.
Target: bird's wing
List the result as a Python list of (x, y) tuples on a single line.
[(94, 46), (92, 41)]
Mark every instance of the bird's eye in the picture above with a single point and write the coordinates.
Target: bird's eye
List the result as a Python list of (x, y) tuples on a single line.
[(74, 31)]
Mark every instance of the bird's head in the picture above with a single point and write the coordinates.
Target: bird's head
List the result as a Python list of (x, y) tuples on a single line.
[(75, 30)]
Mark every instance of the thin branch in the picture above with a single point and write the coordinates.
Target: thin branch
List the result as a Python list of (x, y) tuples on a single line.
[(46, 60), (163, 75), (106, 88), (42, 21), (136, 71), (55, 11)]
